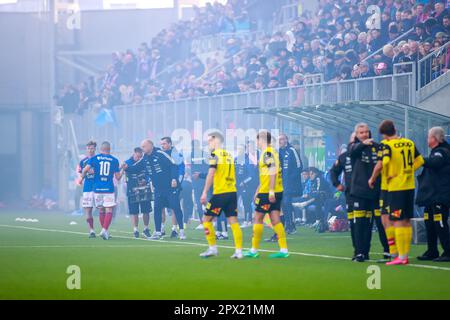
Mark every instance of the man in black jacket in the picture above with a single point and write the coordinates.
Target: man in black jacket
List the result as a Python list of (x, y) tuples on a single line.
[(344, 165), (291, 169), (363, 153), (434, 195)]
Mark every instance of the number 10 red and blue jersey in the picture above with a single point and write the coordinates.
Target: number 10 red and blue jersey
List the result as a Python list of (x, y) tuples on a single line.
[(105, 166)]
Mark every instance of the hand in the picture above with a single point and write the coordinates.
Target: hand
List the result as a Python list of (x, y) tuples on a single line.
[(174, 183), (124, 166), (368, 142), (203, 199), (340, 188), (79, 182), (272, 198), (371, 183), (195, 175)]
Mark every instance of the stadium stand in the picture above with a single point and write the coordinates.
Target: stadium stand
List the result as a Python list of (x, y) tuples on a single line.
[(343, 40)]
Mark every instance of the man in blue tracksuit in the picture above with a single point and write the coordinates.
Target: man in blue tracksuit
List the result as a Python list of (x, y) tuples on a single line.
[(291, 166), (177, 157), (246, 182), (164, 174)]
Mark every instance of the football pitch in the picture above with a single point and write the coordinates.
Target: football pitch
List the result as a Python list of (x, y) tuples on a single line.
[(35, 257)]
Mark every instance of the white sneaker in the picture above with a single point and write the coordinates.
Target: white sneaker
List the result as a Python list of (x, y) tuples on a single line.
[(200, 227), (182, 235), (155, 236), (237, 255), (244, 225), (105, 235), (209, 253)]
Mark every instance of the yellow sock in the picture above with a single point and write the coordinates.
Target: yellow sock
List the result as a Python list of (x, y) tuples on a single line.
[(279, 230), (400, 239), (257, 235), (390, 234), (408, 239), (210, 233), (237, 235)]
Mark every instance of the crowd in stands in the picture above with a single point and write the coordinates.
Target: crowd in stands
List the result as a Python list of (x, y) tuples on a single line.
[(344, 39)]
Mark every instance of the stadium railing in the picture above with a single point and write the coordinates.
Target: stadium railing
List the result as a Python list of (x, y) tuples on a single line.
[(229, 111), (433, 74), (392, 42)]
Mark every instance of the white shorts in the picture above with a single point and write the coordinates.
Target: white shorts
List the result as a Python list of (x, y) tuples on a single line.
[(87, 201), (105, 200)]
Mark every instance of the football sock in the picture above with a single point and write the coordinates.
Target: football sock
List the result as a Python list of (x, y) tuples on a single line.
[(101, 217), (257, 235), (237, 235), (135, 229), (210, 233), (90, 222), (402, 238), (108, 219), (408, 239), (390, 234), (279, 230)]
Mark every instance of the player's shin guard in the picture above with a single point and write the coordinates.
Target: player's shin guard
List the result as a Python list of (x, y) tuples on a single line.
[(279, 230), (257, 235), (390, 234), (237, 235), (210, 233)]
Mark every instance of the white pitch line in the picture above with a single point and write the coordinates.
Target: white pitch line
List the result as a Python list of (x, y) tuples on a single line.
[(219, 246), (91, 246)]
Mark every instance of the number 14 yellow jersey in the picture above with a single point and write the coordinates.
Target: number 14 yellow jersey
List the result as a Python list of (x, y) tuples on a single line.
[(400, 159)]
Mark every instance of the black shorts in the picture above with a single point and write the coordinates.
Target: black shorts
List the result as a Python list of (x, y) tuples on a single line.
[(362, 207), (384, 202), (135, 208), (401, 205), (224, 202), (263, 204)]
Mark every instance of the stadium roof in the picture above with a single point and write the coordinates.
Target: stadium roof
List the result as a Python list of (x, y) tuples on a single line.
[(342, 117)]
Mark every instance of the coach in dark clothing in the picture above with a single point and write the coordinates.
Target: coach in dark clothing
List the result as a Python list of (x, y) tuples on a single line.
[(164, 174), (291, 169), (343, 165), (363, 153), (434, 195)]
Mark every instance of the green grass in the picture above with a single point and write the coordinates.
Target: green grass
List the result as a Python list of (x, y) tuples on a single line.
[(33, 265)]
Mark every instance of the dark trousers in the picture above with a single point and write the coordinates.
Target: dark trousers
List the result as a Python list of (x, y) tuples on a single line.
[(198, 189), (247, 199), (169, 200), (222, 219), (288, 210), (186, 200), (436, 223), (381, 234)]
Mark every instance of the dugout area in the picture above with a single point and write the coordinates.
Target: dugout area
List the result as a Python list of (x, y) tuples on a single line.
[(340, 118)]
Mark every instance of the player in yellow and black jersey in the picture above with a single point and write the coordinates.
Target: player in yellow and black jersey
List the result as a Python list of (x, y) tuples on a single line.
[(268, 197), (221, 176), (400, 159)]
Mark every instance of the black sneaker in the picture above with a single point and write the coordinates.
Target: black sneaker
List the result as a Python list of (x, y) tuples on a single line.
[(136, 234), (274, 238), (428, 256), (174, 234), (292, 231), (92, 235), (445, 257), (147, 233), (359, 258), (163, 233)]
